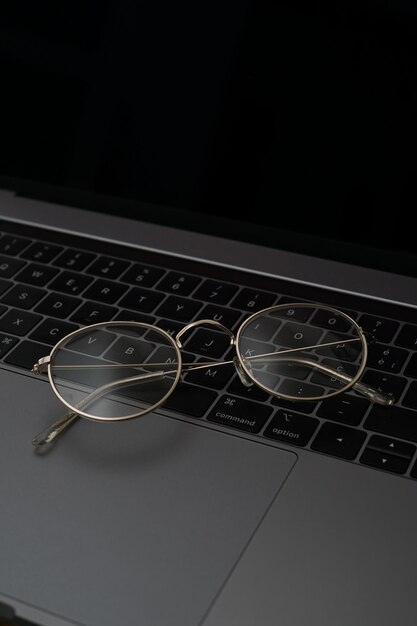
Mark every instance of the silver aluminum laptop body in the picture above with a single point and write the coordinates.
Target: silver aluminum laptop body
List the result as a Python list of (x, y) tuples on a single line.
[(264, 110)]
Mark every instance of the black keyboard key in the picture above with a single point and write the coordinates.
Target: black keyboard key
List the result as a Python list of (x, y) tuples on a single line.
[(380, 328), (410, 398), (253, 392), (108, 267), (143, 275), (74, 260), (391, 446), (250, 348), (178, 309), (394, 421), (93, 344), (52, 330), (5, 285), (172, 328), (6, 343), (386, 358), (71, 283), (208, 343), (226, 316), (239, 413), (411, 369), (180, 284), (407, 337), (344, 408), (291, 427), (9, 267), (134, 316), (190, 400), (130, 350), (387, 383), (215, 376), (9, 244), (164, 354), (93, 313), (18, 322), (58, 305), (302, 407), (295, 335), (251, 300), (388, 454), (142, 300), (215, 292), (337, 440), (330, 321), (300, 389), (263, 328), (36, 275), (23, 296), (26, 354), (344, 350), (299, 314), (413, 472), (105, 291), (41, 252), (384, 461)]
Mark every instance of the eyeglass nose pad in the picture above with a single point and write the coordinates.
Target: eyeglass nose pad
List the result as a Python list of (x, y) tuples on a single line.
[(244, 378)]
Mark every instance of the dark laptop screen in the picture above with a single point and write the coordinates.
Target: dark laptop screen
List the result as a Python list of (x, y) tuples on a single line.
[(289, 120)]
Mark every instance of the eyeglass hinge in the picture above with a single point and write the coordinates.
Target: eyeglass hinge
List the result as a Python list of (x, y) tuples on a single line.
[(41, 366)]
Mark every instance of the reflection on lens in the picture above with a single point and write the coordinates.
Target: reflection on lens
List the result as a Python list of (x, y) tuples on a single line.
[(309, 352), (101, 370)]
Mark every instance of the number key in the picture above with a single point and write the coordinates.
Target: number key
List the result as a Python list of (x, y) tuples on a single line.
[(12, 245), (43, 252), (181, 284), (251, 300), (108, 267)]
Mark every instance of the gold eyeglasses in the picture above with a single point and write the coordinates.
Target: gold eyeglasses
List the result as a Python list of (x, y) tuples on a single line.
[(114, 371)]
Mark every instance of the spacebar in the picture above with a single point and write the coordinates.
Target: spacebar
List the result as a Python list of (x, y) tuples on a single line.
[(393, 421)]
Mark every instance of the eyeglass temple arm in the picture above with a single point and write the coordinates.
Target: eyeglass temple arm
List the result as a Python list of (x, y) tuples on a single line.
[(375, 395), (49, 434)]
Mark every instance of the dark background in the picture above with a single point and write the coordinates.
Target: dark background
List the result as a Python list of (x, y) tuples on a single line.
[(299, 116)]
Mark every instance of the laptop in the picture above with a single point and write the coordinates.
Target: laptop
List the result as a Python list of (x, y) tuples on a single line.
[(217, 161)]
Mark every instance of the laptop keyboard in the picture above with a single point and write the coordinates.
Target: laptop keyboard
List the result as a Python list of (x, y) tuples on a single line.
[(48, 289)]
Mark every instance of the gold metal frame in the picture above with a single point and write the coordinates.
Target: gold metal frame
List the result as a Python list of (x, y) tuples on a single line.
[(239, 361)]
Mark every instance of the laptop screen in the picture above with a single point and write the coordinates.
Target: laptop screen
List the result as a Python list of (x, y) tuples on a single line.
[(289, 124)]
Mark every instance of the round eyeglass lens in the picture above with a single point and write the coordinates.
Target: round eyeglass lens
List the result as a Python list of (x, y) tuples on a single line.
[(115, 371), (301, 351)]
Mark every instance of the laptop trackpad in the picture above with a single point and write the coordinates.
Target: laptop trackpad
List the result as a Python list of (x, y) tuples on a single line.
[(139, 522)]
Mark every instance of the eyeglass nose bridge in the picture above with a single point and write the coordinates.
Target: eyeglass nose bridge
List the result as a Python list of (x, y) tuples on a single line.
[(192, 325)]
